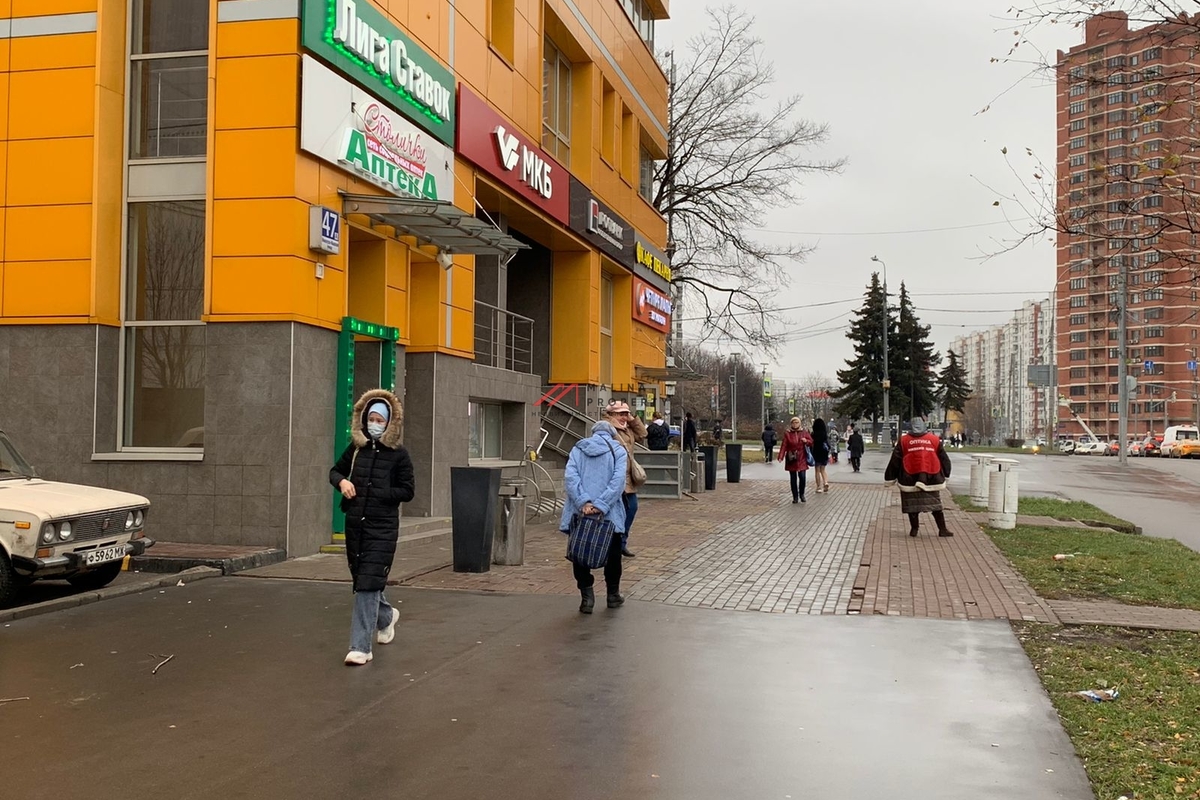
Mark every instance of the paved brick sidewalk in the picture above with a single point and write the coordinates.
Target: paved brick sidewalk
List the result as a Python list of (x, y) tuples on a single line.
[(960, 577), (1094, 612)]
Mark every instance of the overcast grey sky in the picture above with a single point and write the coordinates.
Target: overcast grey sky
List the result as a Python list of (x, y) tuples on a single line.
[(901, 86)]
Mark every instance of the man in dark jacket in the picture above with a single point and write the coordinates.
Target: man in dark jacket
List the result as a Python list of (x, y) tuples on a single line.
[(374, 475), (920, 465), (768, 440), (690, 435), (658, 434), (855, 444)]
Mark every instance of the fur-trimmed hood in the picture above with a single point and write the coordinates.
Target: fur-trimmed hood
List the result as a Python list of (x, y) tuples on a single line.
[(395, 427)]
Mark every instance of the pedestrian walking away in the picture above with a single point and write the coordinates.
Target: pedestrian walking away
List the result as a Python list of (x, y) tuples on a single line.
[(768, 440), (820, 452), (658, 433), (834, 443), (630, 431), (793, 452), (374, 475), (921, 466), (854, 442), (594, 482), (718, 432), (690, 435)]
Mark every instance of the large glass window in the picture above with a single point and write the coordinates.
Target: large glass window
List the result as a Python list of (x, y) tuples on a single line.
[(646, 175), (164, 338), (486, 427), (169, 79), (606, 330), (556, 104)]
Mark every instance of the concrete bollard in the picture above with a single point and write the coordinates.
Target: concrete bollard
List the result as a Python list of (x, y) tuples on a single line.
[(1002, 494), (979, 479), (696, 465)]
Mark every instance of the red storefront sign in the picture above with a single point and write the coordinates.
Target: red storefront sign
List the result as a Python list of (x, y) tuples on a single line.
[(489, 141), (651, 307)]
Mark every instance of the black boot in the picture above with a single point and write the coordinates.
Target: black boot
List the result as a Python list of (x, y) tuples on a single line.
[(625, 551), (616, 600), (914, 521), (589, 600), (940, 518)]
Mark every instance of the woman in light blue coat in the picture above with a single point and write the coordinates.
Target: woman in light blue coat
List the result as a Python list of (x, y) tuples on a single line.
[(595, 481)]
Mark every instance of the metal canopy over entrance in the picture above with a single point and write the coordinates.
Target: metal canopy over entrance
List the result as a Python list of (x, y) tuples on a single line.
[(344, 398), (432, 222)]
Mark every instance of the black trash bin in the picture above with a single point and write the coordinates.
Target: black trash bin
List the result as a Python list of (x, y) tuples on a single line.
[(710, 466), (474, 496), (733, 463)]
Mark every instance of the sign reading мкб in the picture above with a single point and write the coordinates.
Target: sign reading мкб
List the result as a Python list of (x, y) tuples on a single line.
[(362, 43)]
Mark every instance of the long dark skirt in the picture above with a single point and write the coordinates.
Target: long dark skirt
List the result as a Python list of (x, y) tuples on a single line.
[(920, 502)]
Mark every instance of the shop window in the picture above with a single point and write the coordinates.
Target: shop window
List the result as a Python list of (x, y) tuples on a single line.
[(501, 14), (486, 428), (646, 175), (164, 347), (606, 330), (556, 104), (168, 105)]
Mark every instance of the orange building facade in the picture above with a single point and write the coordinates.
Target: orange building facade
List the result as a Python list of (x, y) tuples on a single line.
[(224, 219)]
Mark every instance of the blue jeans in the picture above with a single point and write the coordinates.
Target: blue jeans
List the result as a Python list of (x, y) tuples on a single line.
[(371, 613), (631, 506)]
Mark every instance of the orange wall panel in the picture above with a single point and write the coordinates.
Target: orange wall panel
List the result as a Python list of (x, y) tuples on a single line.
[(331, 296), (48, 233), (37, 8), (68, 88), (50, 172), (257, 38), (425, 306), (257, 162), (53, 52), (264, 285), (107, 208), (3, 106), (262, 92), (47, 289), (272, 227), (111, 25)]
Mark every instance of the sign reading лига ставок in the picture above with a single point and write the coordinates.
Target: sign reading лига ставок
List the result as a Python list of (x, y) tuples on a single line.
[(361, 42)]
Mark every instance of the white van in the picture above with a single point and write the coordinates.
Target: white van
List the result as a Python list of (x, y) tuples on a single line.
[(1175, 436)]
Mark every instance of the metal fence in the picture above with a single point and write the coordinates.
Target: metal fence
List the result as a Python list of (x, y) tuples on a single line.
[(503, 340)]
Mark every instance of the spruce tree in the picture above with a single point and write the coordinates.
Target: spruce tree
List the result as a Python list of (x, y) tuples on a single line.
[(913, 359), (953, 389), (860, 392)]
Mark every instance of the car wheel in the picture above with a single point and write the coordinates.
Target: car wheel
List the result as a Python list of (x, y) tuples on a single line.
[(10, 582), (96, 578)]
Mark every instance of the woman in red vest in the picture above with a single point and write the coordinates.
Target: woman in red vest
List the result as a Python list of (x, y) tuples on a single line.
[(920, 465), (793, 452)]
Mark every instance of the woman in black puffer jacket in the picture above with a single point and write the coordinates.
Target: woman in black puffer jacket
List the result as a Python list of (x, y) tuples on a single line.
[(374, 475)]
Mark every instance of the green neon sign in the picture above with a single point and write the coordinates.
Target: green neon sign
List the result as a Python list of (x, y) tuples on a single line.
[(355, 38)]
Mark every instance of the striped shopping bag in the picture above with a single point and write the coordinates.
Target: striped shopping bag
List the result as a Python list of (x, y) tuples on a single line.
[(589, 540)]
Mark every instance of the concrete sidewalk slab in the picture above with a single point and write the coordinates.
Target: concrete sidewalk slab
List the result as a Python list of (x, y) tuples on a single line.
[(172, 557), (521, 697)]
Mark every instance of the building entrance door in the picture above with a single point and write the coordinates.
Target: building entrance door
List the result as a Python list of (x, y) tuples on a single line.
[(366, 359)]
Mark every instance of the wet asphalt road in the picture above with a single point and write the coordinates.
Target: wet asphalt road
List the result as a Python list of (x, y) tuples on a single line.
[(516, 697)]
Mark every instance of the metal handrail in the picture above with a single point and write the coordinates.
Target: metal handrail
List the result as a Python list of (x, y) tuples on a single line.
[(503, 339)]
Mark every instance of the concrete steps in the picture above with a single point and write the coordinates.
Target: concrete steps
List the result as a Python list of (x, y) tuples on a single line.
[(412, 529)]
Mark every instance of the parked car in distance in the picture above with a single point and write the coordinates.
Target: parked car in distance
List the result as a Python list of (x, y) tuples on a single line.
[(50, 529), (1091, 448), (1175, 436), (1152, 446), (1066, 446), (1135, 449)]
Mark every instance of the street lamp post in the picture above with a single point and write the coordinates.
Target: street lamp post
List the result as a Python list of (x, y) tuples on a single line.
[(1123, 366), (733, 400), (763, 392), (887, 383)]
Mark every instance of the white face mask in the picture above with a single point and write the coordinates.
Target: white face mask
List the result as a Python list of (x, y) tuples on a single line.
[(376, 429)]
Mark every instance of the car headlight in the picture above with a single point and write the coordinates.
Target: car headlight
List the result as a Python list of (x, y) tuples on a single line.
[(139, 518), (64, 531), (48, 533), (129, 521)]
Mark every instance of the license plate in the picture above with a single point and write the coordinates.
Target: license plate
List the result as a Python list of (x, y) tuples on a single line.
[(104, 554)]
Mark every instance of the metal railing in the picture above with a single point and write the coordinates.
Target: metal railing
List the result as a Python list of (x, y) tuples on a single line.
[(503, 340)]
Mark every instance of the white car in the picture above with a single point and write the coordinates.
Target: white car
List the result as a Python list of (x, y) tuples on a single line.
[(63, 530), (1091, 448)]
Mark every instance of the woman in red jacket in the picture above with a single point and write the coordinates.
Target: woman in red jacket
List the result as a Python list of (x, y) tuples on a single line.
[(792, 452)]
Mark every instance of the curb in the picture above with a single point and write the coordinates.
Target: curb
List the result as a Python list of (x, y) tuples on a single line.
[(107, 593), (169, 565)]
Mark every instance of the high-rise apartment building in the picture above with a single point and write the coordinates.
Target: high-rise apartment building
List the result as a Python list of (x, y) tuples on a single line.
[(1127, 136)]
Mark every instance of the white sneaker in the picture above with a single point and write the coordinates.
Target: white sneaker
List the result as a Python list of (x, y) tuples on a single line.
[(386, 635), (356, 659)]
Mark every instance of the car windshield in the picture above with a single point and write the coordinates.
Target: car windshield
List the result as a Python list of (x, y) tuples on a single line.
[(11, 463), (1187, 434)]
